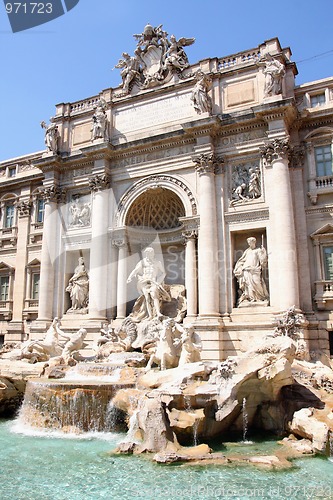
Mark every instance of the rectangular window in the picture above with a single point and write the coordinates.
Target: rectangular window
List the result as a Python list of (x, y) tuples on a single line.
[(40, 211), (9, 215), (328, 262), (4, 287), (323, 156), (12, 172), (35, 286), (317, 100)]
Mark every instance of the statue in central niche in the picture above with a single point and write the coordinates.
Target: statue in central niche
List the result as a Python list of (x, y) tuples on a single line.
[(150, 275)]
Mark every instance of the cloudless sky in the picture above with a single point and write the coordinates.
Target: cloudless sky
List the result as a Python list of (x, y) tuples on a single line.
[(72, 57)]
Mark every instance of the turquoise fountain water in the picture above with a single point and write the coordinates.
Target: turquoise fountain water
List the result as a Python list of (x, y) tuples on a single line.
[(52, 466)]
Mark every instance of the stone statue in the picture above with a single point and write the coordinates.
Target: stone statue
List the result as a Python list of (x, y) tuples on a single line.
[(274, 71), (130, 70), (254, 184), (150, 275), (78, 287), (165, 354), (290, 323), (155, 59), (51, 136), (100, 128), (44, 349), (248, 271), (108, 334), (175, 55), (74, 343), (201, 101), (190, 346)]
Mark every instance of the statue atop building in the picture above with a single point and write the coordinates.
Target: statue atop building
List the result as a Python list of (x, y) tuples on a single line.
[(274, 71), (201, 100), (51, 136), (155, 59), (100, 127)]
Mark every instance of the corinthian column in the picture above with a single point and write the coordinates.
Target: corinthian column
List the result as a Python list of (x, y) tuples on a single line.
[(207, 241), (99, 185), (52, 196), (190, 237), (23, 208), (282, 258)]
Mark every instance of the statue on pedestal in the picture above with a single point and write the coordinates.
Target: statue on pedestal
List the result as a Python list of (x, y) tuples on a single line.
[(274, 71), (201, 101), (100, 122), (78, 288), (51, 136), (248, 271), (150, 275)]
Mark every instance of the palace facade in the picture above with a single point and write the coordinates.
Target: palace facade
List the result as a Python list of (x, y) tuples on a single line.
[(192, 160)]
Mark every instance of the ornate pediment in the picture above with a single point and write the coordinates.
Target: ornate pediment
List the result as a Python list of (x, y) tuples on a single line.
[(323, 233)]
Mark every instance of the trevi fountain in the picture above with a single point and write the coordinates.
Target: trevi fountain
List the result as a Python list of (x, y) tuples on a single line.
[(146, 403)]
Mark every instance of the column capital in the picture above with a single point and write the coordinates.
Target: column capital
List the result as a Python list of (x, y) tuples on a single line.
[(24, 208), (52, 194), (119, 242), (99, 182), (189, 235), (207, 163), (277, 149)]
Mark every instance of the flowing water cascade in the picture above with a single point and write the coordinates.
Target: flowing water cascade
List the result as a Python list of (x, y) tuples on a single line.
[(245, 421), (80, 402), (190, 410), (331, 447)]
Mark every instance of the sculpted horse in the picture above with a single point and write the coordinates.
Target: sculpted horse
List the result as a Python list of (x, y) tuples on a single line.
[(165, 355)]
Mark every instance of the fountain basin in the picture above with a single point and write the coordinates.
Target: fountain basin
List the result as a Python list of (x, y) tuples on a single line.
[(72, 406)]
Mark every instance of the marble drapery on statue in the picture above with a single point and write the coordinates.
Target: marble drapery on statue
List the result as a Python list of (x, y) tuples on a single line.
[(201, 100), (78, 288), (274, 71), (248, 271), (51, 136), (150, 275)]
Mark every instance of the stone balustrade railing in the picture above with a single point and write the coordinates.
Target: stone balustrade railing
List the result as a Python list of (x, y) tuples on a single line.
[(324, 182), (79, 106), (324, 293), (238, 59)]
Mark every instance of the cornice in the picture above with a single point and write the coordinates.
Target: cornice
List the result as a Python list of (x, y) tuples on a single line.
[(253, 215), (327, 209)]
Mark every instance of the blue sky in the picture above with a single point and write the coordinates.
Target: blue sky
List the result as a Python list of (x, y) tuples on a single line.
[(72, 57)]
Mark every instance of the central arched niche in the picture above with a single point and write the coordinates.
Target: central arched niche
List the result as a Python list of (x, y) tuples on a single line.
[(153, 219), (157, 208)]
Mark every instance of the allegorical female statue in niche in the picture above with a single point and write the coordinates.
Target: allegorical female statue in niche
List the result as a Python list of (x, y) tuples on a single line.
[(248, 271), (78, 288)]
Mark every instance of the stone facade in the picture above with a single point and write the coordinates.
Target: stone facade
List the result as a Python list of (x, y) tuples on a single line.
[(192, 160)]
